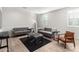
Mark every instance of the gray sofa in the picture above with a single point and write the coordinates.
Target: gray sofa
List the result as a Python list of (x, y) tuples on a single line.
[(20, 31), (46, 32)]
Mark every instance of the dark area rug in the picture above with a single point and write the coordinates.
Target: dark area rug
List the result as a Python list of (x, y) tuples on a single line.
[(33, 44)]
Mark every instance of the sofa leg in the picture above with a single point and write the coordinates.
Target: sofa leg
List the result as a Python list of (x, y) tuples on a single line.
[(58, 41)]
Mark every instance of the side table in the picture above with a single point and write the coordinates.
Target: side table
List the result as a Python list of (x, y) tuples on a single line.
[(4, 35), (55, 33)]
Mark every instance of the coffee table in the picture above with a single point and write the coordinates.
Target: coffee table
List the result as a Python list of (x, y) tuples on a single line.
[(35, 38), (35, 34)]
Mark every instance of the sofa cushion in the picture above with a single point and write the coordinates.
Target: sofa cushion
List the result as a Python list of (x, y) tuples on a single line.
[(20, 29), (47, 29), (48, 32)]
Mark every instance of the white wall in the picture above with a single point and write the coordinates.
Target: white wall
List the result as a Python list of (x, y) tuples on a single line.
[(58, 20), (16, 17), (0, 17)]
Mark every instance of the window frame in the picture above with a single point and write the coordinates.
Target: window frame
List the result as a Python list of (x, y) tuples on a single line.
[(68, 16)]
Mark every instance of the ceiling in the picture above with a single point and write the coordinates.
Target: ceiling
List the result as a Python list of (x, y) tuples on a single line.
[(41, 10)]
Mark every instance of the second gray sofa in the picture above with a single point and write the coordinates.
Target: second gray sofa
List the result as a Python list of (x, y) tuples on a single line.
[(20, 31)]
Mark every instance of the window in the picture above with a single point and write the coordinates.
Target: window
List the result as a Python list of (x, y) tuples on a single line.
[(45, 20), (73, 18)]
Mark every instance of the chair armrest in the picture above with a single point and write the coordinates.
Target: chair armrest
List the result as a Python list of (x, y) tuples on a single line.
[(69, 37), (60, 35)]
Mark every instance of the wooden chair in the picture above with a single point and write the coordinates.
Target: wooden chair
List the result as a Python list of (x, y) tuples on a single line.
[(68, 38)]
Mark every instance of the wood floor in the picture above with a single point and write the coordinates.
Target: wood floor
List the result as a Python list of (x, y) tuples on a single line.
[(15, 45)]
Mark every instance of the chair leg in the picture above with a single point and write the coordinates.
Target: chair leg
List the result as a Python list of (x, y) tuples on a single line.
[(65, 45), (74, 44)]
